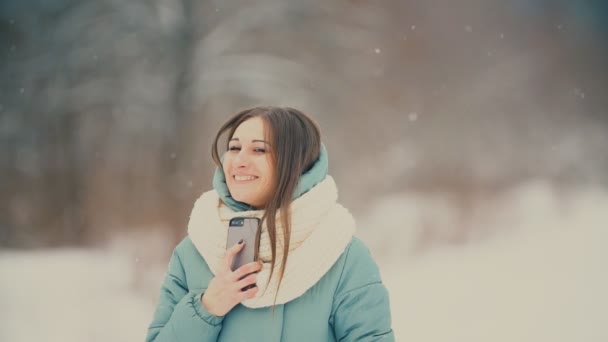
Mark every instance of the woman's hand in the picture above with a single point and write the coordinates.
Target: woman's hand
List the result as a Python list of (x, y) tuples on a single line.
[(224, 291)]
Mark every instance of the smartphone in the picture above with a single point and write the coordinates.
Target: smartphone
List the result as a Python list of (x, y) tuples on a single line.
[(246, 228)]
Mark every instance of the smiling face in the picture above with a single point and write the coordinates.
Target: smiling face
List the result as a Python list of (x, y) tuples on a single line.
[(248, 164)]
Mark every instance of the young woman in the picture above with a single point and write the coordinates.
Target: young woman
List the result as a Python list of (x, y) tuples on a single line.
[(314, 281)]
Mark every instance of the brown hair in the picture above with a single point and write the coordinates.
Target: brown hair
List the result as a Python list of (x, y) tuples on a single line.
[(296, 143)]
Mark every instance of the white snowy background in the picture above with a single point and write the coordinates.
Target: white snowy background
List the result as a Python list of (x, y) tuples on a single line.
[(469, 142), (542, 276)]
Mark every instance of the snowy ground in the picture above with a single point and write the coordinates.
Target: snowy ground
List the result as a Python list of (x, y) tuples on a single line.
[(542, 279), (69, 296)]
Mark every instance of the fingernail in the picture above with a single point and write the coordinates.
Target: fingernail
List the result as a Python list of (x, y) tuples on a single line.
[(241, 241)]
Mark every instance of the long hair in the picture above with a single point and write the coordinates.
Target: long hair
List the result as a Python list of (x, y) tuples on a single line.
[(296, 143)]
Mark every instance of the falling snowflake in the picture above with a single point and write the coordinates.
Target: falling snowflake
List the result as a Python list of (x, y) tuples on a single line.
[(377, 50), (468, 28), (413, 27), (413, 116), (579, 92)]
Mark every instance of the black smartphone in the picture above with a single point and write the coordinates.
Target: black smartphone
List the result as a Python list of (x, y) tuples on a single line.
[(246, 228)]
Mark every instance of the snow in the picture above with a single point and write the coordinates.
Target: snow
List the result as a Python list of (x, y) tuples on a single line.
[(69, 295), (538, 275), (542, 277), (539, 286)]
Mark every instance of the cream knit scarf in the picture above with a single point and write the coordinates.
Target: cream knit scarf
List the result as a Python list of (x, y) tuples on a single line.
[(320, 231)]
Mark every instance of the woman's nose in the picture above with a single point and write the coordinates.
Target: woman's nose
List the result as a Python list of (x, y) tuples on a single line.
[(241, 159)]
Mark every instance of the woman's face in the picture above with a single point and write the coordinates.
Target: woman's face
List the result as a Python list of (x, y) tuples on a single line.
[(248, 165)]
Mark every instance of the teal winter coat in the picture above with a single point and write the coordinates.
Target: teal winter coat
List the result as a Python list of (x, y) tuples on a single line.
[(349, 303)]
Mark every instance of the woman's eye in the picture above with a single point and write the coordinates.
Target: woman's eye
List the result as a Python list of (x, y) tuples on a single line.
[(234, 148), (260, 150)]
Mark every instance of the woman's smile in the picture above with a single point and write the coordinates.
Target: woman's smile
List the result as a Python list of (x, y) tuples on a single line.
[(243, 179)]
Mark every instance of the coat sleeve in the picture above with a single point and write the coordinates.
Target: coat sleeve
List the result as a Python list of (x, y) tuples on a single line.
[(180, 316), (361, 310)]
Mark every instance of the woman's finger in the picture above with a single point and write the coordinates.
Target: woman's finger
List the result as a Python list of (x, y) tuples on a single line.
[(245, 270), (248, 294), (248, 280)]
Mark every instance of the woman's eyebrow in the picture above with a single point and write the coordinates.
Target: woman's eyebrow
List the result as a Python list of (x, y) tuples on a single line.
[(254, 140)]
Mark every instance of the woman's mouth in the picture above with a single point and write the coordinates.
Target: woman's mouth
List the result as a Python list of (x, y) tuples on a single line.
[(244, 178)]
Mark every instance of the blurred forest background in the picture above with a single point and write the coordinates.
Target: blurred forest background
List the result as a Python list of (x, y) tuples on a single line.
[(108, 109)]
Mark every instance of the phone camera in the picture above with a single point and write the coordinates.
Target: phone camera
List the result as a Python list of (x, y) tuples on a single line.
[(237, 222)]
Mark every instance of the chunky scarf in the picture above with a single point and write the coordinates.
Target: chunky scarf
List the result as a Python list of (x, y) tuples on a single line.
[(320, 231)]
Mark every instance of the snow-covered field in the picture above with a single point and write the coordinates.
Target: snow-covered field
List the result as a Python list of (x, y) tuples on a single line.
[(69, 296), (541, 275)]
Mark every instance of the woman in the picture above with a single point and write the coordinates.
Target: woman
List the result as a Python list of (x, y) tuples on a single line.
[(314, 280)]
